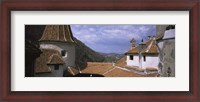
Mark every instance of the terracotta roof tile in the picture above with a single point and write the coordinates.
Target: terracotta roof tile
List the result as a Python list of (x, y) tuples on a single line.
[(150, 48), (151, 69), (121, 62), (121, 73), (134, 50), (108, 70), (97, 67)]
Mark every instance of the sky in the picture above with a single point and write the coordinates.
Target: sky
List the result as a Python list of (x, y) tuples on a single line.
[(112, 38)]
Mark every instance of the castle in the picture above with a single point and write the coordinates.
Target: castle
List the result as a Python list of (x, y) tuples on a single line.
[(58, 51), (158, 53)]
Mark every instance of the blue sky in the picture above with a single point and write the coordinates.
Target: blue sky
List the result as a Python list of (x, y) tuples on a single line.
[(112, 38)]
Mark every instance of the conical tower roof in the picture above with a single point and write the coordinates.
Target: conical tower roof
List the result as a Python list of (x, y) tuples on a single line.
[(58, 33)]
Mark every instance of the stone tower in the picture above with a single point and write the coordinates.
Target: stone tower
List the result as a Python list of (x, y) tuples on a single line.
[(58, 38)]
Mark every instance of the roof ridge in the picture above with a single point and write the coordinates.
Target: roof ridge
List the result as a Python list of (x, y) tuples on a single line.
[(53, 56), (71, 70), (64, 33), (149, 46)]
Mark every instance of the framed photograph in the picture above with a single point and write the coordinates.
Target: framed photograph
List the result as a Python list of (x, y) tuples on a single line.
[(100, 50)]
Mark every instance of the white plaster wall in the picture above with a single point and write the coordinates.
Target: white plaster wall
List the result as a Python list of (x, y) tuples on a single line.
[(69, 58), (160, 44), (134, 62), (57, 73), (160, 47), (169, 34), (151, 61)]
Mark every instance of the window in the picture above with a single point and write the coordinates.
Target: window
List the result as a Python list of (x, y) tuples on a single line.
[(63, 52), (131, 57), (144, 57), (56, 67)]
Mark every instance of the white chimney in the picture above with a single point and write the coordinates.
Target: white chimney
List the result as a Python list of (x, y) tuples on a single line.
[(132, 42)]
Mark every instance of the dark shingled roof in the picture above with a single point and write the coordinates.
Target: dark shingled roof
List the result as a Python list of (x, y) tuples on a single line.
[(71, 72), (60, 33), (42, 61), (55, 59)]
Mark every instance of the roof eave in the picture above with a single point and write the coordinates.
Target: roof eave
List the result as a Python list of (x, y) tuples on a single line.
[(150, 53), (131, 53), (72, 42)]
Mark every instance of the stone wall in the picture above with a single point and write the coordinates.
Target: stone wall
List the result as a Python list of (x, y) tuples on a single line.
[(160, 29), (69, 57), (134, 62), (166, 53), (168, 58)]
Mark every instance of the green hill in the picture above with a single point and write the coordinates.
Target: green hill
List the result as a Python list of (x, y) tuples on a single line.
[(84, 54)]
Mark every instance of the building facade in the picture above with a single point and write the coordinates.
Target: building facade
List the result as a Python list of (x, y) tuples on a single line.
[(58, 48), (143, 56)]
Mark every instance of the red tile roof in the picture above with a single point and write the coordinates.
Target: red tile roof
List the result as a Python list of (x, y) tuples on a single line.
[(134, 50), (108, 70), (97, 67), (149, 48), (121, 62), (151, 69), (122, 73)]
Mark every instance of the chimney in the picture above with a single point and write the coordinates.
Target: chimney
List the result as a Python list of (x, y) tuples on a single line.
[(141, 46), (149, 37), (132, 42)]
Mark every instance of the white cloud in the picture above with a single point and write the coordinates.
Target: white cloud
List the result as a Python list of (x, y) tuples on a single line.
[(92, 29), (97, 36)]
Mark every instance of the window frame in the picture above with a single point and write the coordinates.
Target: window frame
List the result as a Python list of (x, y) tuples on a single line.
[(63, 52), (56, 67), (131, 57), (144, 58)]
